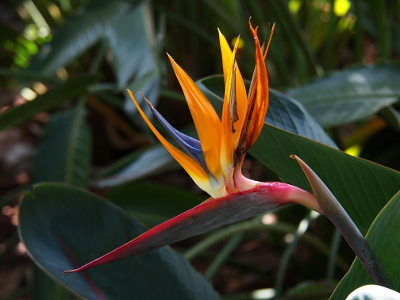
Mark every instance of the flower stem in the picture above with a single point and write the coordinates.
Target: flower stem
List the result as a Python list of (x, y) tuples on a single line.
[(332, 209)]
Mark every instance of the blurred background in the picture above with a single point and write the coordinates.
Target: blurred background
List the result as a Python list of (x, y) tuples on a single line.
[(66, 64)]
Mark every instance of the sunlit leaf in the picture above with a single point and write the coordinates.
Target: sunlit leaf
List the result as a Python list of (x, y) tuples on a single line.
[(131, 39), (65, 91), (78, 34), (350, 95)]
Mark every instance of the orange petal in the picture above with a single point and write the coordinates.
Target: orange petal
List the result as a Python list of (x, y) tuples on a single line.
[(258, 99), (229, 115), (206, 120), (241, 95), (261, 93), (192, 167)]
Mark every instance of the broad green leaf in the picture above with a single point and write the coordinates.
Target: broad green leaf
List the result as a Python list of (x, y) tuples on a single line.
[(152, 160), (64, 154), (46, 288), (362, 187), (145, 162), (350, 95), (77, 35), (131, 39), (65, 91), (384, 239), (148, 85), (392, 116), (330, 208), (156, 204), (27, 74), (283, 112), (63, 227), (207, 216), (373, 292)]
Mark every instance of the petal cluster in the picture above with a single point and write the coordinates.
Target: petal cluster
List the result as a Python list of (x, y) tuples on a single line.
[(214, 161)]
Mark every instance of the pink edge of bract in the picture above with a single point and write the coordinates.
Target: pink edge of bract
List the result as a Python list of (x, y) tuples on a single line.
[(207, 216)]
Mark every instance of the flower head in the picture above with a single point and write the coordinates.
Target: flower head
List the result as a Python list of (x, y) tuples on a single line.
[(214, 161)]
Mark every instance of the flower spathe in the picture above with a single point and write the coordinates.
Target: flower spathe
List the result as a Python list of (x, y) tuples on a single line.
[(214, 161)]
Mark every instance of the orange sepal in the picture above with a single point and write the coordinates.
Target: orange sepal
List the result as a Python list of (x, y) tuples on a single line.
[(192, 167), (206, 120)]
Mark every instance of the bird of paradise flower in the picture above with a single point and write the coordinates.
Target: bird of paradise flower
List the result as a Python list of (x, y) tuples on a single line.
[(215, 161)]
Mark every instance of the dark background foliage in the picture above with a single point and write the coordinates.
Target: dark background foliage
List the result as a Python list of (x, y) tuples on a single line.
[(65, 117)]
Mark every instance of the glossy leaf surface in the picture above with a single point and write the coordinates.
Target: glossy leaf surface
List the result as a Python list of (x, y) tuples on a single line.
[(283, 112), (350, 95), (144, 164), (362, 187), (64, 153), (384, 239), (130, 39), (153, 203), (63, 227)]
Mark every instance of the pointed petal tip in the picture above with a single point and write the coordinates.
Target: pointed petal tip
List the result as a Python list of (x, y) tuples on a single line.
[(147, 101), (67, 272)]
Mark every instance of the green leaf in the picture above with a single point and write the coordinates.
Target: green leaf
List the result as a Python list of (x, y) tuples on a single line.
[(384, 239), (46, 288), (392, 116), (139, 165), (130, 40), (350, 95), (142, 163), (373, 292), (65, 91), (330, 208), (362, 187), (283, 112), (77, 35), (64, 153), (156, 203), (63, 227)]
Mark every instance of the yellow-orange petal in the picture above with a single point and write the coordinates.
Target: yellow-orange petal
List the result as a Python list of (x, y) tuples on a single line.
[(226, 53), (206, 120), (229, 115), (192, 167), (241, 95)]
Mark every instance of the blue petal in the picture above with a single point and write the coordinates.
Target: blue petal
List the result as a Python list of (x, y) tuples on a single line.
[(191, 145), (188, 143)]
